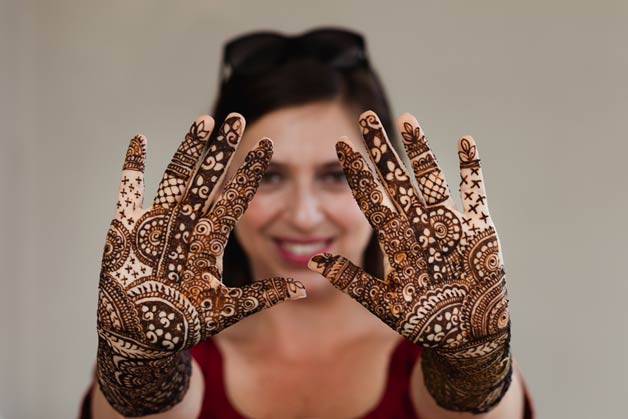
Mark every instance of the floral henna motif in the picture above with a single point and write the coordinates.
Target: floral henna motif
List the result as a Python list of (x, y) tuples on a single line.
[(444, 283), (161, 288)]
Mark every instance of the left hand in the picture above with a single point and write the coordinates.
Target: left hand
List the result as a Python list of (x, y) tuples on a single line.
[(444, 282)]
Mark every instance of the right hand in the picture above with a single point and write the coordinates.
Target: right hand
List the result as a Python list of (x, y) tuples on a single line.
[(161, 289)]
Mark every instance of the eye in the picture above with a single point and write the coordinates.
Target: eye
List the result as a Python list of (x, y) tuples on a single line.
[(334, 177), (271, 178)]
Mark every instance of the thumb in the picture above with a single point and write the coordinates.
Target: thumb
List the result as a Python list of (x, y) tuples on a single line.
[(343, 274)]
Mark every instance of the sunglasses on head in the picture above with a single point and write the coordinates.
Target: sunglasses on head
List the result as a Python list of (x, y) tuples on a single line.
[(256, 53)]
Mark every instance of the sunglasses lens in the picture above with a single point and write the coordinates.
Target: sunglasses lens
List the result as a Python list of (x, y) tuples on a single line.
[(255, 53), (339, 48), (259, 52)]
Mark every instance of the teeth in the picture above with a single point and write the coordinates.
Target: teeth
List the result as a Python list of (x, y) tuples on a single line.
[(302, 249)]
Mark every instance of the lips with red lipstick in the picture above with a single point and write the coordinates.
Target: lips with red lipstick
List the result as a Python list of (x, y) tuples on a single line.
[(299, 251)]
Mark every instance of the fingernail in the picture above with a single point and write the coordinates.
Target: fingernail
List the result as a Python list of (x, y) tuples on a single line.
[(320, 261), (296, 290)]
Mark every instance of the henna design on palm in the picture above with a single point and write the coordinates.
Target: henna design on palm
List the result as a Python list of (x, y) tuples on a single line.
[(161, 289), (444, 280)]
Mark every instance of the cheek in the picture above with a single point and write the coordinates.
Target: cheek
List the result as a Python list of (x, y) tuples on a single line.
[(346, 214), (256, 217)]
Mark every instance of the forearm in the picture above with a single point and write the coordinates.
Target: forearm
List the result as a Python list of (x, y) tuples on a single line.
[(188, 407), (510, 406)]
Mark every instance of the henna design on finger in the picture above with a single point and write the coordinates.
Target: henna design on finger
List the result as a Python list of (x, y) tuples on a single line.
[(472, 186), (209, 237), (160, 289), (131, 191), (444, 281), (214, 165), (392, 171), (368, 193), (180, 169), (198, 195), (430, 178), (135, 155)]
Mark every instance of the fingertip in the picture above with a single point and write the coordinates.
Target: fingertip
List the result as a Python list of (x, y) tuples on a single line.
[(296, 289), (234, 114), (342, 150), (204, 124), (344, 144), (468, 146), (312, 264), (139, 137), (319, 261), (208, 120), (407, 118), (138, 144), (240, 118), (468, 153), (265, 143), (136, 153), (368, 114)]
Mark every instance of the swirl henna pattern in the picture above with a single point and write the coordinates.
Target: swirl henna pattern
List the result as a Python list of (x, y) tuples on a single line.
[(444, 284), (161, 288)]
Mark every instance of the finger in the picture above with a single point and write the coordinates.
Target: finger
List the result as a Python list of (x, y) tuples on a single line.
[(374, 202), (131, 192), (264, 294), (241, 188), (473, 194), (392, 171), (181, 167), (367, 191), (210, 234), (429, 176), (374, 294), (213, 168)]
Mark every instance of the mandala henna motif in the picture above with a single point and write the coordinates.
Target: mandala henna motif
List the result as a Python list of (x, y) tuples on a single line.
[(161, 288), (444, 283)]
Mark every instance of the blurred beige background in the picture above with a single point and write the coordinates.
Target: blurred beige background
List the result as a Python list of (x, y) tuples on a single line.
[(541, 85)]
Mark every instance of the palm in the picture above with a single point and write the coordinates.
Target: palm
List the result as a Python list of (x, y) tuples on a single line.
[(443, 284), (161, 286)]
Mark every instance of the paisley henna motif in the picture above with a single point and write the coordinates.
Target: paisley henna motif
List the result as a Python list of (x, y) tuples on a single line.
[(161, 288), (444, 283)]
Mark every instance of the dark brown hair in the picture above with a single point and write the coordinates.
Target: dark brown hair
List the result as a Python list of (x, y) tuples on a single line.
[(294, 82)]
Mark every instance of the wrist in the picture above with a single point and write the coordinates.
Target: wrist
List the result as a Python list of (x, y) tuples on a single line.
[(472, 378), (139, 383)]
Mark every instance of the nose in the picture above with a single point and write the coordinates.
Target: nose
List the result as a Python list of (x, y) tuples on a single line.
[(304, 211)]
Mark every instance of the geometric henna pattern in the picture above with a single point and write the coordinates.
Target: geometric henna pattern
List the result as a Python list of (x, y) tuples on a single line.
[(183, 162), (161, 289), (444, 280)]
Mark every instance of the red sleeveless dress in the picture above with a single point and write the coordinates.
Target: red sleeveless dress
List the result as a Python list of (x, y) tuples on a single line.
[(395, 403)]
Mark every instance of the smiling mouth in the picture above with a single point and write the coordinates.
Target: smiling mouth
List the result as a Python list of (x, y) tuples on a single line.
[(299, 252)]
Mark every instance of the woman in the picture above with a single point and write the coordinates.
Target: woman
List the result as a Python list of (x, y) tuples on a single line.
[(174, 336)]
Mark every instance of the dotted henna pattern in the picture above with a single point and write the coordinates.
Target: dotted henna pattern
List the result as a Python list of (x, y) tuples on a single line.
[(161, 288), (444, 283)]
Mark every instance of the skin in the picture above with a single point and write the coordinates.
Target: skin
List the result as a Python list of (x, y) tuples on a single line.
[(331, 353), (303, 194), (297, 203), (310, 198)]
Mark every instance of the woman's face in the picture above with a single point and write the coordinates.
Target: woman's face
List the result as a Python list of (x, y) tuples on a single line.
[(303, 205)]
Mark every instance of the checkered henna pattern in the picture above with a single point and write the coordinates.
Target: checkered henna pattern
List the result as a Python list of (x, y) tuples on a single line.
[(161, 289), (444, 282)]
